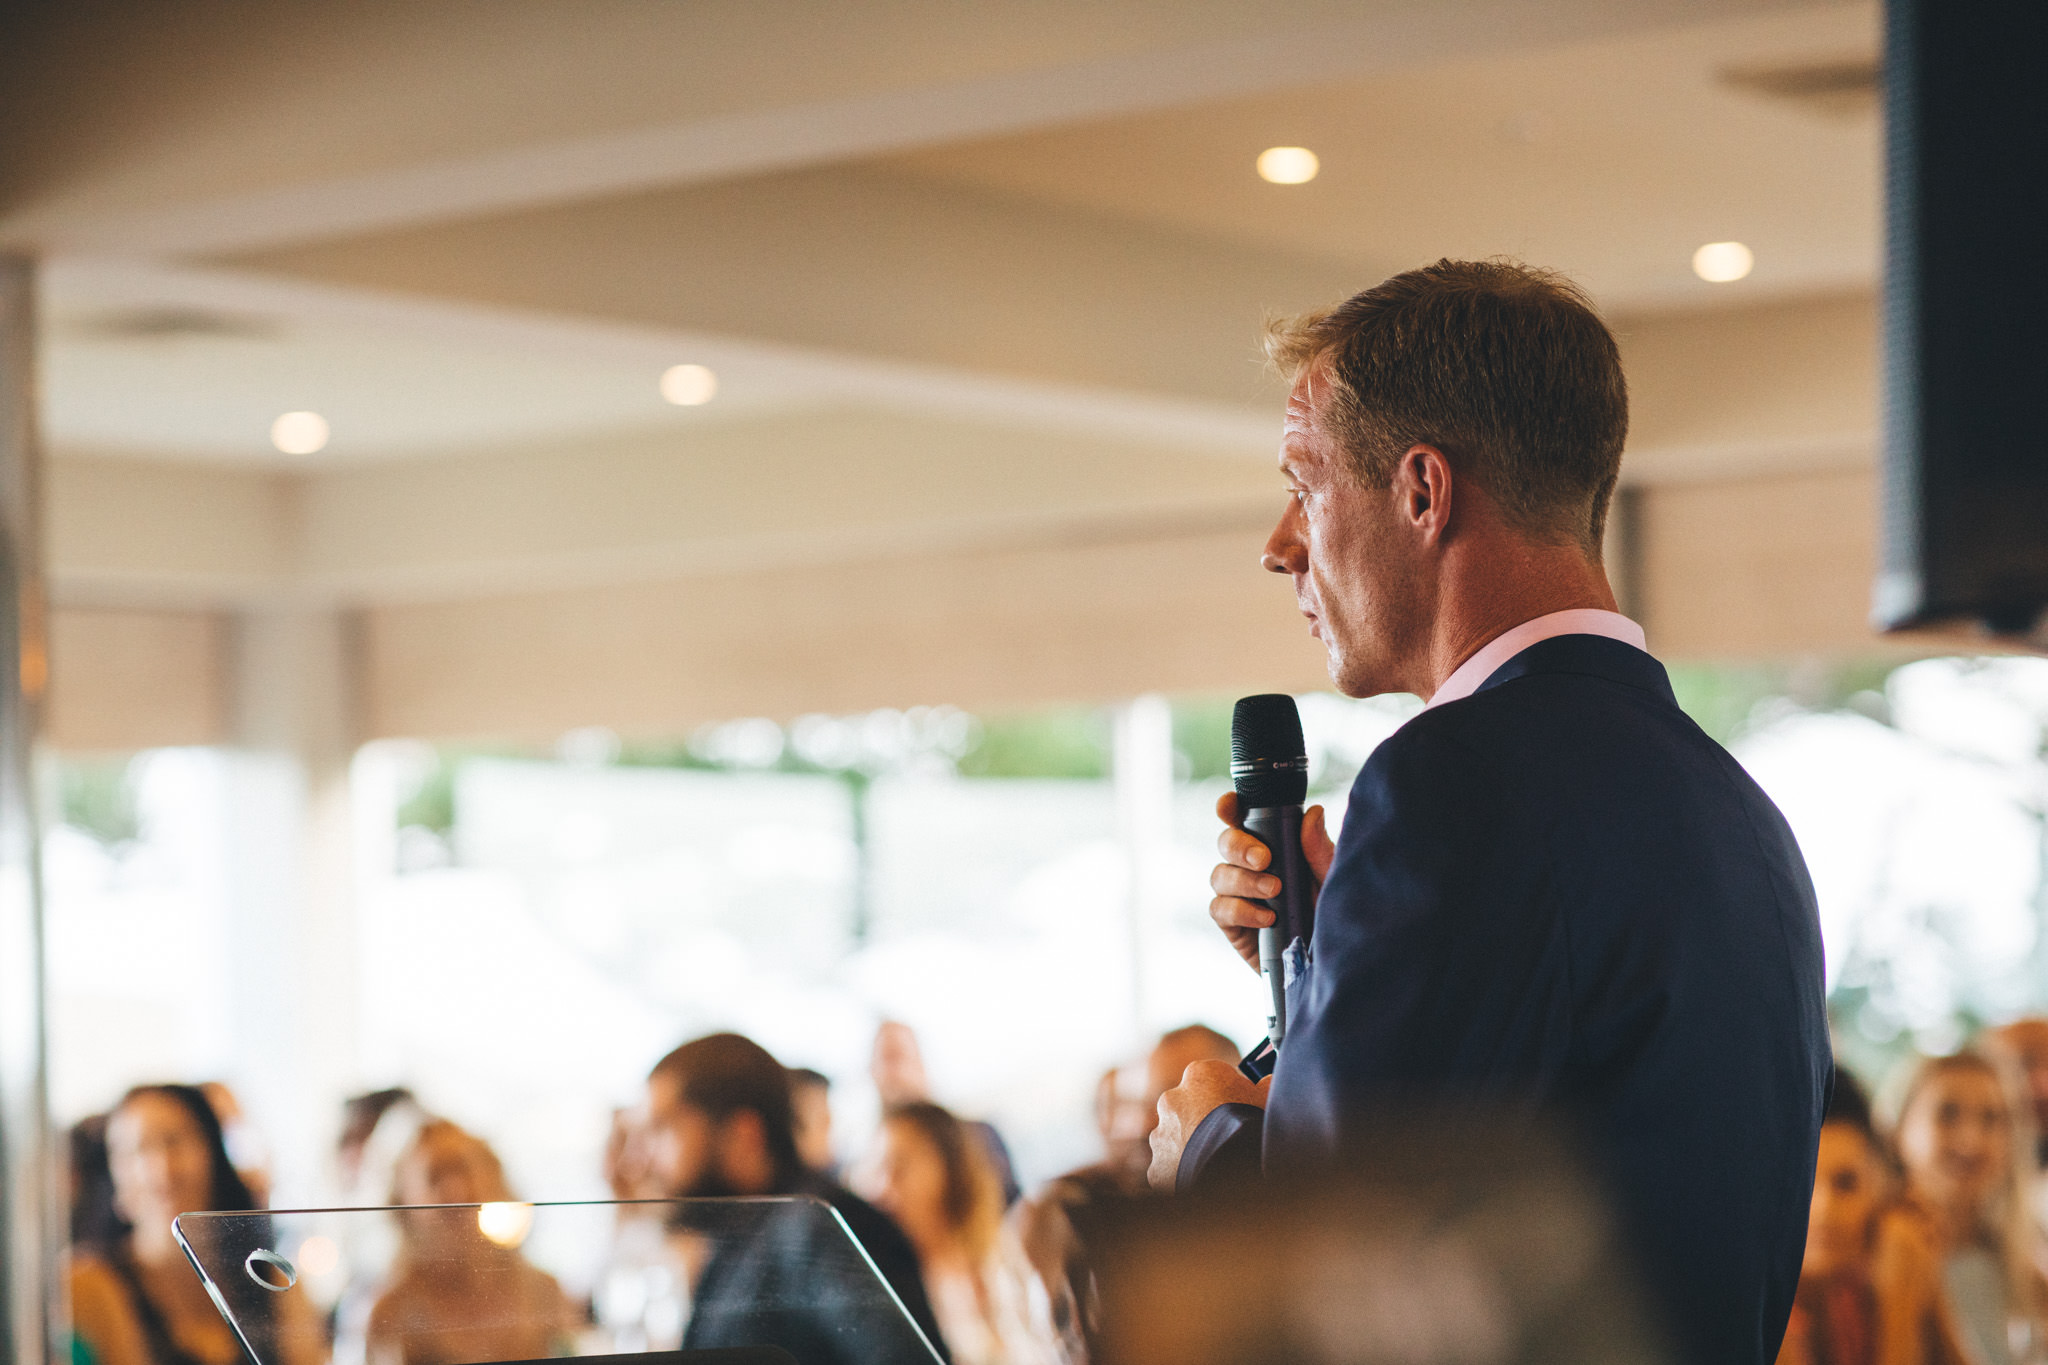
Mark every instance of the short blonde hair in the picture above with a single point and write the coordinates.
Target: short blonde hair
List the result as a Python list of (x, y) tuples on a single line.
[(1505, 368)]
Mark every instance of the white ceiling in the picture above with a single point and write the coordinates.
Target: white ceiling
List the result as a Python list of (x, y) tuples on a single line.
[(196, 365), (450, 237), (987, 241), (1610, 159), (981, 282), (403, 376)]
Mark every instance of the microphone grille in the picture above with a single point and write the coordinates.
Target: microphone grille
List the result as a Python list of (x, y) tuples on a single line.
[(1268, 758)]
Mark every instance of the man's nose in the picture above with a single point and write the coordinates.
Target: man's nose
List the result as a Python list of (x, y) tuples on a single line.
[(1284, 552)]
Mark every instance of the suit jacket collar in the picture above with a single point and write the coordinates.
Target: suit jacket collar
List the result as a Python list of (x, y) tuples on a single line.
[(1591, 655)]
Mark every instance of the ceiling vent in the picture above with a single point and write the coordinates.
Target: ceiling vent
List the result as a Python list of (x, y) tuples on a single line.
[(1841, 88), (170, 322)]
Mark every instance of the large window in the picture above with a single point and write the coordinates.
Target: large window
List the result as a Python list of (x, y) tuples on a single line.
[(1029, 892)]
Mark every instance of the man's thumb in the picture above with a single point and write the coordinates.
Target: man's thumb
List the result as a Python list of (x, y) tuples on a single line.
[(1315, 842)]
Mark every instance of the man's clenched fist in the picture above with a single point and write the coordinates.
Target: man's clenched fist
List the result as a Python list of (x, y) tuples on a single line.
[(1203, 1087)]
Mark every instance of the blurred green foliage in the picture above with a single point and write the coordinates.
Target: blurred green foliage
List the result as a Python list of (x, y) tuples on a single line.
[(1725, 699), (1201, 737), (1062, 741), (97, 795), (671, 754), (432, 804)]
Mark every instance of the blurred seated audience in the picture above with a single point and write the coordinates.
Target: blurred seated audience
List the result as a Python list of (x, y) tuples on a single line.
[(640, 1286), (628, 1162), (245, 1144), (134, 1297), (2023, 1046), (897, 1068), (1960, 1131), (460, 1291), (721, 1123), (91, 1184), (934, 1178), (1053, 1227), (375, 1129), (1127, 1103), (1870, 1283), (811, 1093)]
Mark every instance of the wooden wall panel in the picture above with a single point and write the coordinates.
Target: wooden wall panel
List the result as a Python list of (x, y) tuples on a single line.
[(1760, 568), (1008, 628), (136, 679)]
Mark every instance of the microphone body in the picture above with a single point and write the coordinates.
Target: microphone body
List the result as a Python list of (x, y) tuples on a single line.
[(1269, 768), (1283, 945)]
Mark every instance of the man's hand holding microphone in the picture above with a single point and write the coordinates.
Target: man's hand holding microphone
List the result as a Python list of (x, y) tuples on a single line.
[(1244, 883)]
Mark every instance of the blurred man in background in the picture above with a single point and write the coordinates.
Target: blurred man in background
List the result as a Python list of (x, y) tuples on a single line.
[(1127, 1103), (810, 1092), (1056, 1225), (720, 1123)]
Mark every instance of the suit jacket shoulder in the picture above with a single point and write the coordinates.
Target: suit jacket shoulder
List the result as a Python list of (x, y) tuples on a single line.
[(1560, 896)]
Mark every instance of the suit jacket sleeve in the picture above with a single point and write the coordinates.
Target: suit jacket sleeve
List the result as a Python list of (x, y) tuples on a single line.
[(1439, 969), (1224, 1148)]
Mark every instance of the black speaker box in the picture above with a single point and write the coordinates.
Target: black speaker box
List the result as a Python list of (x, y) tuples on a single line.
[(1965, 532)]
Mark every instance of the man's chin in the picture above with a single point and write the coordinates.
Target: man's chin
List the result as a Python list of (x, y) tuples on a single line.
[(1344, 674), (1356, 679)]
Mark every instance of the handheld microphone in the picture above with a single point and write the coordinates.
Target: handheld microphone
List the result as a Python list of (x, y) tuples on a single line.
[(1269, 768)]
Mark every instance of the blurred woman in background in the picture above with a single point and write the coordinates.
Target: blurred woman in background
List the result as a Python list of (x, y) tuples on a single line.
[(934, 1178), (461, 1290), (1960, 1133), (1870, 1290), (134, 1297)]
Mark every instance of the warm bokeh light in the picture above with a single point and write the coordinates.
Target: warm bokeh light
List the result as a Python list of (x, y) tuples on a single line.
[(1722, 262), (689, 386), (1288, 165), (318, 1255), (299, 433), (505, 1224)]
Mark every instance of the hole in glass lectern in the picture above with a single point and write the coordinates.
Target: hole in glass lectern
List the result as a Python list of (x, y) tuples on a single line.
[(270, 1270)]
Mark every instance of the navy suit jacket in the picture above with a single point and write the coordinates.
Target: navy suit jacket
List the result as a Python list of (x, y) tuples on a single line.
[(1559, 897)]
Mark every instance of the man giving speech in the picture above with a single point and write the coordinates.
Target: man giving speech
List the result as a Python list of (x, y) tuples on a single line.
[(1555, 900)]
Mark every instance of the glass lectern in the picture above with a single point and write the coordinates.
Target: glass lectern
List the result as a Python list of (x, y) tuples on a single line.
[(691, 1281)]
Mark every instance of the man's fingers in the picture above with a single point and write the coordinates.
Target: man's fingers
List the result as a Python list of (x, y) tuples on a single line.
[(1228, 912), (1226, 880), (1238, 847), (1234, 912)]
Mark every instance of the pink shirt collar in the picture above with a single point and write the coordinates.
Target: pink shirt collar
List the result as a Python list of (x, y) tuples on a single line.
[(1579, 621)]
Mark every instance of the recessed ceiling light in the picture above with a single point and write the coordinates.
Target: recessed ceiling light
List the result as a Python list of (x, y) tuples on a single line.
[(1288, 165), (688, 386), (299, 433), (1722, 262)]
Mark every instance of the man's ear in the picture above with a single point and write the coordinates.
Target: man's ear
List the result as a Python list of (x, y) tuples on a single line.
[(1426, 487)]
